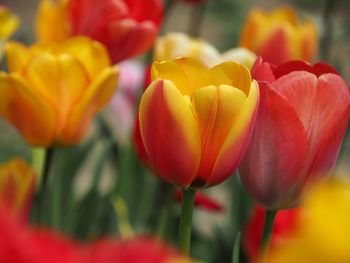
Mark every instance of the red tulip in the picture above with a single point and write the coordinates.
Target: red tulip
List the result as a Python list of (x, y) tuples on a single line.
[(285, 223), (302, 118), (126, 27), (21, 244)]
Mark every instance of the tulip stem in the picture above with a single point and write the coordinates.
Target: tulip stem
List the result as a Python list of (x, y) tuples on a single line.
[(166, 207), (47, 166), (186, 219), (267, 233)]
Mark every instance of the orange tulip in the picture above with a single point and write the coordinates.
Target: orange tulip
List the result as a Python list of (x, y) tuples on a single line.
[(196, 121), (53, 91), (278, 36), (17, 181)]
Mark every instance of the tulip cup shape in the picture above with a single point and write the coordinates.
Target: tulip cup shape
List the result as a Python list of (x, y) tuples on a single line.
[(278, 36), (301, 121), (126, 27), (196, 122), (53, 91)]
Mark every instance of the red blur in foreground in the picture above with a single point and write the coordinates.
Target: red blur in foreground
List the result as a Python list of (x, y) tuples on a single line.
[(201, 200), (302, 118), (285, 223), (19, 244)]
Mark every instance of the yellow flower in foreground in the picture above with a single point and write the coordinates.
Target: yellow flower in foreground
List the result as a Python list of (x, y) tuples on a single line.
[(17, 181), (175, 45), (8, 25), (323, 233), (196, 121), (53, 91)]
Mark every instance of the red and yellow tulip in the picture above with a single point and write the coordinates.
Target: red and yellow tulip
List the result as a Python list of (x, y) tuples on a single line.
[(196, 121), (301, 121), (17, 183), (53, 91), (126, 28), (278, 36)]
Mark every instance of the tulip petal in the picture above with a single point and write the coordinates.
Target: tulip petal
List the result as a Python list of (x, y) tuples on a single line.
[(300, 89), (20, 105), (90, 53), (216, 110), (91, 101), (187, 74), (331, 116), (279, 146), (59, 79), (237, 139), (231, 73), (17, 56), (169, 132)]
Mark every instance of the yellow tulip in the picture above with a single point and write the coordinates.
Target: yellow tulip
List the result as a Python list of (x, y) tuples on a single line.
[(278, 36), (17, 182), (196, 121), (8, 25), (175, 45), (53, 91), (52, 21), (323, 231)]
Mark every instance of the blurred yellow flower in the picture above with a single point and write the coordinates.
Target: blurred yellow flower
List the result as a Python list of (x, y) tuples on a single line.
[(323, 232), (53, 90), (17, 181), (174, 45), (8, 25), (278, 36), (51, 23)]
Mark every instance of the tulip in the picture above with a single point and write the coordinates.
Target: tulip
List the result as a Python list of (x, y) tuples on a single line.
[(126, 28), (53, 91), (8, 25), (175, 45), (21, 244), (196, 122), (285, 225), (17, 182), (322, 232), (278, 36), (301, 121)]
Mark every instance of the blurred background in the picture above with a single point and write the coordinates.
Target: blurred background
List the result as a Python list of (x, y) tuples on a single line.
[(221, 26)]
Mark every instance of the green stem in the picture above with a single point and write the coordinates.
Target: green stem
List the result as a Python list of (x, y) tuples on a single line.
[(47, 166), (186, 219), (267, 233), (236, 246), (166, 208), (57, 191)]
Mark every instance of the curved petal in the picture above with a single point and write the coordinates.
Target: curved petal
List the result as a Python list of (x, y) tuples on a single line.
[(32, 115), (91, 54), (330, 121), (91, 101), (216, 110), (237, 139), (17, 56), (276, 153), (230, 73), (59, 79), (187, 74), (170, 133), (262, 71)]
